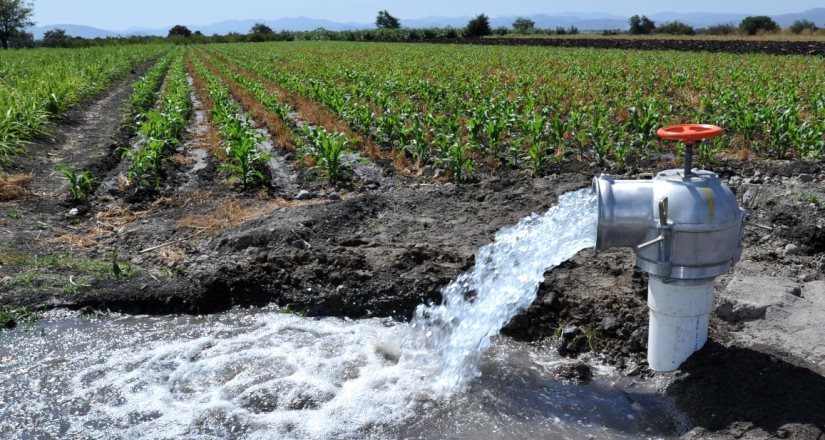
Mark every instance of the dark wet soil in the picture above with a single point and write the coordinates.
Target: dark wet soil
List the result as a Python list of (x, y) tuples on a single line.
[(384, 244)]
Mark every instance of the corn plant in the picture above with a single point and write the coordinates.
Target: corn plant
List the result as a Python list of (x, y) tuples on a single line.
[(145, 90), (38, 86), (326, 150), (488, 97), (244, 159), (457, 162), (80, 183), (161, 128)]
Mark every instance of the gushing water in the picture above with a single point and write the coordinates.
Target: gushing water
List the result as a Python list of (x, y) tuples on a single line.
[(453, 335), (266, 374)]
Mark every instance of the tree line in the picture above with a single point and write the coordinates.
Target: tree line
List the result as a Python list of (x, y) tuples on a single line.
[(16, 17), (752, 25)]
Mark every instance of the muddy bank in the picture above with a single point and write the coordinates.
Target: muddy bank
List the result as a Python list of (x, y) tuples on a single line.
[(688, 45)]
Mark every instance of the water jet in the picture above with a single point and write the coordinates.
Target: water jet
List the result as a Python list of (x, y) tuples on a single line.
[(686, 229)]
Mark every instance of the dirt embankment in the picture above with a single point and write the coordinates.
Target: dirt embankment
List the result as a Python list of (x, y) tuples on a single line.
[(688, 45), (387, 242)]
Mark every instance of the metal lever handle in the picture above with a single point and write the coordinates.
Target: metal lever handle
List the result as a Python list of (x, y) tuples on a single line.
[(651, 242)]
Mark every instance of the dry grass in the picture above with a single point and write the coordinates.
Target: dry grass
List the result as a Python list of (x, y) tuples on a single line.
[(13, 187), (171, 255), (75, 240), (233, 213), (117, 218), (181, 160)]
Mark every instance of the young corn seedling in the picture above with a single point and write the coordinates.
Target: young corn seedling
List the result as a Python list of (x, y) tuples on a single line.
[(456, 161), (80, 183), (244, 158), (537, 153), (142, 165), (326, 150)]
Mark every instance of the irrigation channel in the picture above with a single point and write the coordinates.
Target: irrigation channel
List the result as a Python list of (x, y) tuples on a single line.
[(264, 373)]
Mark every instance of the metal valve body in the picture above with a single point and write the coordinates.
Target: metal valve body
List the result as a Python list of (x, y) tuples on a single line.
[(686, 229)]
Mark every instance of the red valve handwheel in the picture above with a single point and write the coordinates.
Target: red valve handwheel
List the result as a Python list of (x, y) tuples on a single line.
[(689, 133)]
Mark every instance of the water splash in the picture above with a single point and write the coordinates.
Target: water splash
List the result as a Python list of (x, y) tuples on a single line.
[(452, 336), (264, 374)]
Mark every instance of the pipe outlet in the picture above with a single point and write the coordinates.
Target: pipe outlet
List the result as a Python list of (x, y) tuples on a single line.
[(686, 228), (680, 226)]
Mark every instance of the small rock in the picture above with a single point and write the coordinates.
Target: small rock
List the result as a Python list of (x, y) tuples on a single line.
[(578, 371), (790, 249), (334, 196), (570, 332), (74, 212), (363, 274), (5, 280), (610, 323), (303, 195), (805, 178)]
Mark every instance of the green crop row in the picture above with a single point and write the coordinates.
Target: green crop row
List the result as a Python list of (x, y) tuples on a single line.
[(526, 106), (244, 158), (38, 85), (316, 146), (145, 90), (161, 128)]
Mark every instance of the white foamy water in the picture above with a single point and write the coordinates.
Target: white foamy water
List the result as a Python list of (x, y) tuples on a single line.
[(260, 374), (452, 336)]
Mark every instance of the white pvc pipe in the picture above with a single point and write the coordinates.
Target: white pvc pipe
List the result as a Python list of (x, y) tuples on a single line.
[(678, 321)]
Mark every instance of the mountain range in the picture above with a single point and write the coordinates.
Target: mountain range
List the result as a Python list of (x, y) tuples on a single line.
[(583, 21)]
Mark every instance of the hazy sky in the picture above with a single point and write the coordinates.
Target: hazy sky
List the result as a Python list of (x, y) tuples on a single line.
[(119, 14)]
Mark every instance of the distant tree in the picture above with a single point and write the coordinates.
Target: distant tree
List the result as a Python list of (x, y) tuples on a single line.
[(676, 28), (720, 29), (386, 21), (754, 24), (523, 25), (261, 28), (478, 27), (501, 30), (15, 15), (21, 39), (179, 31), (55, 38), (800, 26), (641, 25)]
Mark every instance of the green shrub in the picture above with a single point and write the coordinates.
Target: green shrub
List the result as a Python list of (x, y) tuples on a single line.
[(478, 27), (754, 24), (641, 25), (676, 28), (720, 29), (800, 26)]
